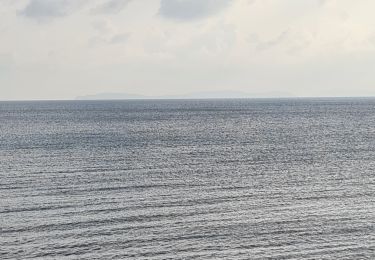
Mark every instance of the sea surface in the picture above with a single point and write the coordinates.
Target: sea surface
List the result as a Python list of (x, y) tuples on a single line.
[(188, 179)]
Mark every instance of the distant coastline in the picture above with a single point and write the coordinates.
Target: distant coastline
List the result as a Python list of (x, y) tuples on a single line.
[(120, 97), (193, 95)]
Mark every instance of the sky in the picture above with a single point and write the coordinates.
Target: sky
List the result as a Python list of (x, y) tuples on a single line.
[(60, 49)]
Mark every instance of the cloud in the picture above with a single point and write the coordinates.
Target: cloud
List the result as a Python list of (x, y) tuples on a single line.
[(111, 7), (49, 9), (265, 45), (115, 39), (6, 61), (297, 45), (191, 9), (323, 2), (103, 27), (216, 40), (120, 38)]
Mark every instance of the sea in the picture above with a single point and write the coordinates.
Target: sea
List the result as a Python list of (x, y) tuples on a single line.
[(188, 179)]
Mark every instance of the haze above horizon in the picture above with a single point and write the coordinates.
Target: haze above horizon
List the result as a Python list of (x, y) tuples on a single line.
[(62, 49)]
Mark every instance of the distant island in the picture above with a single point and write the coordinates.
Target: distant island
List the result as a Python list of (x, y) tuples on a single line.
[(194, 95)]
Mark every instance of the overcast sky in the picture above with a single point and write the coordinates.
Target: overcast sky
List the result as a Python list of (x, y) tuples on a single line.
[(60, 49)]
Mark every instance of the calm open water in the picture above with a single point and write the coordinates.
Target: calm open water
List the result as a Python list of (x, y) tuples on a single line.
[(208, 179)]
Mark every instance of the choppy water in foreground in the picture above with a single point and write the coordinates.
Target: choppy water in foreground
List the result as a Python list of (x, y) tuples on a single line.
[(234, 179)]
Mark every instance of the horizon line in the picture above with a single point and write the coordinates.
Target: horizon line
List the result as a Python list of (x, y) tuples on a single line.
[(182, 98)]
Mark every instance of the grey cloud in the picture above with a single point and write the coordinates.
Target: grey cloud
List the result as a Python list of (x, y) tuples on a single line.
[(110, 7), (115, 39), (344, 16), (120, 38), (253, 38), (102, 27), (323, 2), (296, 42), (6, 61), (372, 39), (191, 9), (48, 9), (265, 45), (298, 48), (217, 40), (250, 2), (96, 41)]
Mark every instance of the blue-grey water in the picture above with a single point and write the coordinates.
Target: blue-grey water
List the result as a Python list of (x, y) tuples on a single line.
[(193, 179)]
